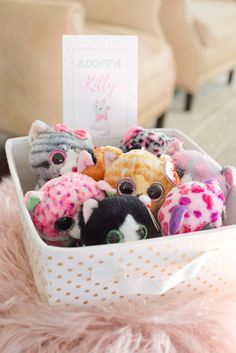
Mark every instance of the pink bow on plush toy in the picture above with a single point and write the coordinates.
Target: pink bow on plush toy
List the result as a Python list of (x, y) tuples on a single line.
[(79, 133)]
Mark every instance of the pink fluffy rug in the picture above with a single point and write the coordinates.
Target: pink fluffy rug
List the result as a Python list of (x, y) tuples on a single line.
[(204, 324)]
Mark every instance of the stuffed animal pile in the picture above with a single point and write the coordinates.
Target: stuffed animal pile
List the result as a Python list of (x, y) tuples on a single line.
[(149, 187)]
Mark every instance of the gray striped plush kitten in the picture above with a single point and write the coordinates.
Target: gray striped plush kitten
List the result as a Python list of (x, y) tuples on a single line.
[(54, 150)]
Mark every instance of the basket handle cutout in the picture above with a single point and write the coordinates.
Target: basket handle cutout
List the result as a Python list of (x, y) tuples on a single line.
[(146, 286)]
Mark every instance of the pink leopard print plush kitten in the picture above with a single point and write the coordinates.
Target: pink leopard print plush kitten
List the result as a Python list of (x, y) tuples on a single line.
[(192, 207), (54, 208), (193, 165)]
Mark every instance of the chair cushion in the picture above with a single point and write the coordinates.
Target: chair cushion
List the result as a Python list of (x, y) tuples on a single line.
[(214, 21)]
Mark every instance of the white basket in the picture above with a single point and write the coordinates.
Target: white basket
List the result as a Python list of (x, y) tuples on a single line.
[(101, 274)]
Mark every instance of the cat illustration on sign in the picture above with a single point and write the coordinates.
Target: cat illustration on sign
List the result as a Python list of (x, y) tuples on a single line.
[(100, 123)]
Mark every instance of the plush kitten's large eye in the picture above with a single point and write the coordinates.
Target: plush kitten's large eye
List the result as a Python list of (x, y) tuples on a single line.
[(155, 191), (58, 156), (142, 232), (126, 186), (64, 224), (115, 236)]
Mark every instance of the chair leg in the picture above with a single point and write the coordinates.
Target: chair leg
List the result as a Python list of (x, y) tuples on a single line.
[(188, 101), (160, 121), (230, 77), (176, 90)]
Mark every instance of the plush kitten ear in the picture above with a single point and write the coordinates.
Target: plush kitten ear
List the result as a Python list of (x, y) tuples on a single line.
[(85, 160), (177, 217), (109, 157), (229, 173), (174, 146), (88, 208), (37, 128), (104, 186), (131, 133), (146, 200), (32, 198)]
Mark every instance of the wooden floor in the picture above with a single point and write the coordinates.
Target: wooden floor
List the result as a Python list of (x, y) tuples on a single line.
[(212, 122)]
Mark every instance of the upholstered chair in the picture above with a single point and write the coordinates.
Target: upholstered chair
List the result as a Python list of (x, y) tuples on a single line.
[(31, 56), (202, 34)]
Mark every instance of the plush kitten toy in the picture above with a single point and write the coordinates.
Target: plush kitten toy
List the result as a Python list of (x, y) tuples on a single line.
[(141, 172), (192, 207), (54, 150), (116, 219), (153, 141), (193, 165), (54, 208), (96, 170)]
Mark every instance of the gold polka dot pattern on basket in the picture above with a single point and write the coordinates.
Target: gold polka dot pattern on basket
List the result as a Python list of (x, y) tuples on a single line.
[(67, 277)]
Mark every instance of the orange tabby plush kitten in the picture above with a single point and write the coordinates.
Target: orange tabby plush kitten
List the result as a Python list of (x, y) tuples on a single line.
[(141, 172)]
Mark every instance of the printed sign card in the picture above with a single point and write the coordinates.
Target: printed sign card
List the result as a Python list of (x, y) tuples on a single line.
[(100, 84)]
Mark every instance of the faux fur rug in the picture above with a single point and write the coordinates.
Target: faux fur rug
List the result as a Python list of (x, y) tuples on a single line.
[(204, 324)]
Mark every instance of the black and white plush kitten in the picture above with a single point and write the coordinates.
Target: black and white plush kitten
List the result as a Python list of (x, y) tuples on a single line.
[(116, 219)]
